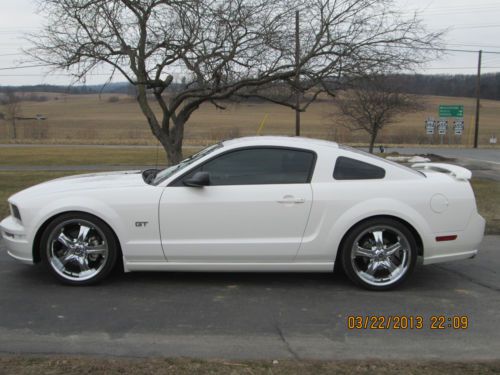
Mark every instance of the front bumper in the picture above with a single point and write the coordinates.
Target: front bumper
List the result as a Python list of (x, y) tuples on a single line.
[(15, 240)]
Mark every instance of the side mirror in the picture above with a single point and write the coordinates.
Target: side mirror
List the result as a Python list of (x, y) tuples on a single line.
[(199, 179)]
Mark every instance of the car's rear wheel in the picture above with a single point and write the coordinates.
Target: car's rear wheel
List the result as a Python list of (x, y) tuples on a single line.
[(379, 254), (79, 249)]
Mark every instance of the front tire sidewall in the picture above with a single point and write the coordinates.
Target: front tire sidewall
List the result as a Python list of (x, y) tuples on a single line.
[(349, 242), (109, 238)]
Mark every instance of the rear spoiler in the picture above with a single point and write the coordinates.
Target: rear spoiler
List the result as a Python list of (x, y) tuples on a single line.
[(460, 173)]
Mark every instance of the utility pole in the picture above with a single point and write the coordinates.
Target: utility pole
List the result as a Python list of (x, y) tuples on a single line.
[(478, 98), (297, 75)]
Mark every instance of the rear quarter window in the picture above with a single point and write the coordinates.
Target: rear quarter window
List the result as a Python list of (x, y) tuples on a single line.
[(352, 169)]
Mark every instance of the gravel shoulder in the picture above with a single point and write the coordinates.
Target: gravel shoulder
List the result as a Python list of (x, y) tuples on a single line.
[(97, 365)]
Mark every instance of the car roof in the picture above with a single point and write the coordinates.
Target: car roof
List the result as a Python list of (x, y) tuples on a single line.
[(279, 141)]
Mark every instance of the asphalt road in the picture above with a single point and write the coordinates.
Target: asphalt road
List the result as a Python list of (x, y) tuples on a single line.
[(267, 316), (490, 155)]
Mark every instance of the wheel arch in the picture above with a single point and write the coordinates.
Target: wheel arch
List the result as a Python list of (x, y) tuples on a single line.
[(411, 228), (43, 226)]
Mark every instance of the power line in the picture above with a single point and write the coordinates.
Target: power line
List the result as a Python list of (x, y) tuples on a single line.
[(55, 74), (493, 60), (181, 66), (474, 27), (176, 65), (17, 28), (451, 11), (473, 45), (461, 6), (25, 66), (443, 49), (12, 54), (462, 67)]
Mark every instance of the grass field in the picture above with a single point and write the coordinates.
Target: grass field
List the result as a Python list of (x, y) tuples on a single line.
[(82, 156), (83, 365), (487, 197), (93, 119)]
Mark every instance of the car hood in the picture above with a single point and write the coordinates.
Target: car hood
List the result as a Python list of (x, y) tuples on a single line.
[(92, 181)]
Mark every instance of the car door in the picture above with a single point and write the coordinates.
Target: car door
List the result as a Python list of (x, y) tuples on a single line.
[(255, 208)]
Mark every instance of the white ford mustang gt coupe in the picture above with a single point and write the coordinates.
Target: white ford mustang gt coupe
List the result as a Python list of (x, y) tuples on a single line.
[(251, 204)]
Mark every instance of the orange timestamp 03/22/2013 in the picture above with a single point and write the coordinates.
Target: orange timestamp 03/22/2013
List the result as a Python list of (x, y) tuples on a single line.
[(407, 322)]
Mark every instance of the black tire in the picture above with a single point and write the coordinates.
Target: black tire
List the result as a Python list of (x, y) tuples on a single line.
[(93, 268), (376, 258)]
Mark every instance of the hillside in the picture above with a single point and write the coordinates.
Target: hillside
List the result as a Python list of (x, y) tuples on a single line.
[(94, 119)]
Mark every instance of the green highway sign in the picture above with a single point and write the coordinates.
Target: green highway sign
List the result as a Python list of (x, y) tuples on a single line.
[(451, 110)]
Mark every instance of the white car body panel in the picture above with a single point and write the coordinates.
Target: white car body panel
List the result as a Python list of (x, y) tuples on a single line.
[(251, 223), (247, 227), (87, 193)]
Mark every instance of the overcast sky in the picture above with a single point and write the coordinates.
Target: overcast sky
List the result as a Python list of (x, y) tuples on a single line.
[(472, 24)]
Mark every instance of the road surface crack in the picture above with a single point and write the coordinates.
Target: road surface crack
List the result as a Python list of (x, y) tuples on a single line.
[(287, 344)]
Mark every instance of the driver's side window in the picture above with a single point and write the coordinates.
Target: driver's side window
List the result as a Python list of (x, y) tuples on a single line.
[(259, 166)]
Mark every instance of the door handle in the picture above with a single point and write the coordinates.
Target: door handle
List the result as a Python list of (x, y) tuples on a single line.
[(288, 199)]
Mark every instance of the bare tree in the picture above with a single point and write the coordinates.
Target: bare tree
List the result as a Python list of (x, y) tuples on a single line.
[(373, 103), (225, 48), (13, 110)]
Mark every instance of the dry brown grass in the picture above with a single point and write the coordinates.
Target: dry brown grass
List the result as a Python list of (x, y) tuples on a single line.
[(487, 194), (47, 156), (90, 119), (85, 365)]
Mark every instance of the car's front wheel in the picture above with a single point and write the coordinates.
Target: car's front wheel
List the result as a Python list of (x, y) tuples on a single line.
[(79, 249), (379, 254)]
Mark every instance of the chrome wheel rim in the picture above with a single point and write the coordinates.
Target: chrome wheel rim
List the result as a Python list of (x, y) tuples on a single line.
[(77, 250), (380, 255)]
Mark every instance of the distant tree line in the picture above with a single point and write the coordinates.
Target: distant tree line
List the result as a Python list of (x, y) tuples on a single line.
[(451, 85), (6, 97), (63, 89), (458, 85)]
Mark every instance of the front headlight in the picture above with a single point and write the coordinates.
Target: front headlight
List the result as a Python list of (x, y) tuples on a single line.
[(14, 211)]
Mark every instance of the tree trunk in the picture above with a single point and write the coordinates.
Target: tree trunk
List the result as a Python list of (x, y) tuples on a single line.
[(170, 139), (14, 130), (373, 137), (172, 142), (174, 151)]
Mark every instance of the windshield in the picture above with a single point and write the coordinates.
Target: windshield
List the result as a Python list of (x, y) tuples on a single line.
[(167, 172)]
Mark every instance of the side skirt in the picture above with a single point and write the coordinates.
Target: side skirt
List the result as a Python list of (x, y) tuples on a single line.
[(228, 267)]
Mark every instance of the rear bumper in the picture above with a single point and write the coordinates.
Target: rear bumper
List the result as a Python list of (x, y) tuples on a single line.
[(464, 247), (15, 240)]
